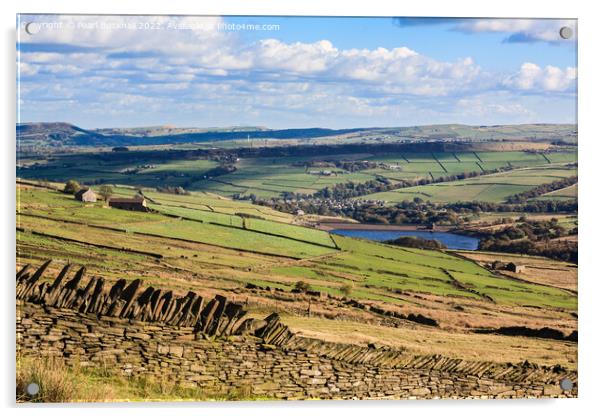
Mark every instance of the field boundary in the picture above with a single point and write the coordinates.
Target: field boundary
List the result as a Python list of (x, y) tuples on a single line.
[(249, 229), (72, 240), (102, 227)]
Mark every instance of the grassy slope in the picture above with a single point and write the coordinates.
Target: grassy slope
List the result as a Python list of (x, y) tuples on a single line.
[(376, 271)]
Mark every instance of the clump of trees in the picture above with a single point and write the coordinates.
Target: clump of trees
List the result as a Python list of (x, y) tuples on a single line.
[(302, 286), (417, 242), (175, 190), (220, 170), (416, 211), (551, 206), (529, 237), (106, 191), (71, 187)]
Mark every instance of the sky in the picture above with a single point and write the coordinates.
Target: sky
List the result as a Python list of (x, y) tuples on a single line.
[(293, 72)]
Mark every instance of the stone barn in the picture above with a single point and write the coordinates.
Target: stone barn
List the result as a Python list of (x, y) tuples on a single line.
[(86, 195), (138, 203), (515, 268)]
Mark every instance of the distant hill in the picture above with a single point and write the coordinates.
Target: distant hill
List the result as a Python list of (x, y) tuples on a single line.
[(53, 132), (66, 135), (168, 130), (59, 135)]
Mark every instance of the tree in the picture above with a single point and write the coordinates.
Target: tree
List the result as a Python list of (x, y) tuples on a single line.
[(106, 191), (71, 187), (302, 286)]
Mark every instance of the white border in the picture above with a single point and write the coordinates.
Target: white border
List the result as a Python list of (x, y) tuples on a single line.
[(590, 159)]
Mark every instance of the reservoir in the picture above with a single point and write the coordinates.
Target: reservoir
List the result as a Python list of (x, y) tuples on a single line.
[(452, 241)]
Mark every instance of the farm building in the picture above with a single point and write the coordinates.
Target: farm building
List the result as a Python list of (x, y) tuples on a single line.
[(138, 203), (515, 268), (511, 267), (86, 195)]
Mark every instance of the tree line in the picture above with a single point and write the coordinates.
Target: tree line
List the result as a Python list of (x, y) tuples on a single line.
[(542, 189), (347, 190), (529, 237), (416, 211)]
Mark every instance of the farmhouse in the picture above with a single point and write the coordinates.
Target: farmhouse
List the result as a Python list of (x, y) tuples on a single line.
[(138, 203), (86, 195)]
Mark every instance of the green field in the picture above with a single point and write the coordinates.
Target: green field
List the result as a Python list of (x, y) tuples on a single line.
[(302, 242), (377, 271), (94, 167), (240, 255), (268, 177), (568, 193), (488, 188)]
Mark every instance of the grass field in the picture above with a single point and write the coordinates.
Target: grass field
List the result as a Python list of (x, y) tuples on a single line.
[(568, 193), (370, 266), (268, 177), (94, 167), (489, 188)]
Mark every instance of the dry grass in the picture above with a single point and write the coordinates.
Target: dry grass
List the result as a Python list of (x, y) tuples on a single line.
[(60, 383), (510, 146), (538, 269), (421, 340)]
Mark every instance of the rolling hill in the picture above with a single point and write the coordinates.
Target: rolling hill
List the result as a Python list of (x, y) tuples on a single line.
[(49, 135)]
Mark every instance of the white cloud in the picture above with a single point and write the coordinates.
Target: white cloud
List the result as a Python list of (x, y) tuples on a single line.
[(521, 30), (486, 106), (211, 52), (215, 78), (26, 69), (531, 77)]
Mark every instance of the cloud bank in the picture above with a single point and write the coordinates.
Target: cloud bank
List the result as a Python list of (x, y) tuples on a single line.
[(129, 70)]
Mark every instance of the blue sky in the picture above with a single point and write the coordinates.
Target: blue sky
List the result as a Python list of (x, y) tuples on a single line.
[(290, 72)]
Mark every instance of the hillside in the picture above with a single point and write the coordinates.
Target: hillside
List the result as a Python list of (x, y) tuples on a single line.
[(40, 136), (167, 130), (63, 134), (357, 291)]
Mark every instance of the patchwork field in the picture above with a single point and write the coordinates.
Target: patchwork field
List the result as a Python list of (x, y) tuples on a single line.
[(488, 188), (268, 177)]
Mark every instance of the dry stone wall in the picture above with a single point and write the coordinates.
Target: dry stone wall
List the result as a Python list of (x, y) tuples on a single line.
[(211, 345)]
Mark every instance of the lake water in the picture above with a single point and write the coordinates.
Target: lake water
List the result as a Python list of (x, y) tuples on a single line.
[(453, 241)]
